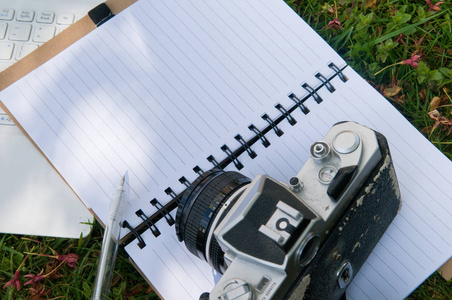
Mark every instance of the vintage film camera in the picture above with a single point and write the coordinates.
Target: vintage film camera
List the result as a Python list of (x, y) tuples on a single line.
[(305, 239)]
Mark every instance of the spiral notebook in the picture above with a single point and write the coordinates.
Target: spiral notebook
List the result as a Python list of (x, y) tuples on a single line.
[(169, 89)]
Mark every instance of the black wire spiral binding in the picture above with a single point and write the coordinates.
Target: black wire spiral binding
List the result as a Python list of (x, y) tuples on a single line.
[(245, 145), (198, 170), (313, 93), (260, 135), (299, 103), (171, 193), (326, 82), (272, 124), (212, 160), (232, 156), (155, 231), (338, 72), (184, 181), (169, 218), (132, 230), (286, 114)]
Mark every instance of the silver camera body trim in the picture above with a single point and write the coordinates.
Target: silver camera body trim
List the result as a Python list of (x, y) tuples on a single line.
[(346, 145)]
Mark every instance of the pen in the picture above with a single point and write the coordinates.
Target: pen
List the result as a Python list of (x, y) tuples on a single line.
[(110, 242)]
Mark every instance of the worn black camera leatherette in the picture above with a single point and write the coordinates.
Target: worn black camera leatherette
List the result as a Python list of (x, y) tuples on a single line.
[(354, 236)]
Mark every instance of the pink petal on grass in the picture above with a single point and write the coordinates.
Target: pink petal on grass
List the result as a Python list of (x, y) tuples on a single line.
[(15, 281), (70, 259), (335, 24), (413, 61), (435, 6), (34, 278)]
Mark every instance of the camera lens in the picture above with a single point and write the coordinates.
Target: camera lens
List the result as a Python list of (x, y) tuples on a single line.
[(199, 208)]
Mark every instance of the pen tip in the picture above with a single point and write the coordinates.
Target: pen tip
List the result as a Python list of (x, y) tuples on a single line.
[(125, 178)]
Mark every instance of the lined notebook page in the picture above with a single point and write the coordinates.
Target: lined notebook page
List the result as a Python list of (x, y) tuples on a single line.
[(159, 88), (416, 243)]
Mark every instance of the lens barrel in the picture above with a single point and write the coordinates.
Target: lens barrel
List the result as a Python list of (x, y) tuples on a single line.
[(198, 209)]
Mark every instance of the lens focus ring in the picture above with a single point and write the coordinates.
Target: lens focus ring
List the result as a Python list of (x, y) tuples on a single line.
[(201, 205)]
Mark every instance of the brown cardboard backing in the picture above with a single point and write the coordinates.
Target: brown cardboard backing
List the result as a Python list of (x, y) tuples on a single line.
[(50, 49), (446, 270)]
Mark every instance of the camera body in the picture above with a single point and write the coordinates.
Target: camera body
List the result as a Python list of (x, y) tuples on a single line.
[(305, 239)]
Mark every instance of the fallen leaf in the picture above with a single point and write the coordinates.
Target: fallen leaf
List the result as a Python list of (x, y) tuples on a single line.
[(436, 101), (136, 290), (423, 94), (399, 99), (115, 280), (445, 123), (434, 114), (40, 294), (426, 130), (392, 91), (371, 4), (379, 30)]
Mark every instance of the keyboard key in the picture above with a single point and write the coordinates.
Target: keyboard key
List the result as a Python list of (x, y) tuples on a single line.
[(6, 14), (43, 33), (20, 32), (25, 49), (6, 50), (45, 17), (25, 16), (3, 27), (5, 119), (65, 19)]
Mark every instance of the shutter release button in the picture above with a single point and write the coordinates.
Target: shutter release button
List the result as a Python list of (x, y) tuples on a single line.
[(346, 142)]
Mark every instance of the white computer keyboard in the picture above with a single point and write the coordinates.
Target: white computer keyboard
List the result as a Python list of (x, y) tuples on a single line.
[(24, 30)]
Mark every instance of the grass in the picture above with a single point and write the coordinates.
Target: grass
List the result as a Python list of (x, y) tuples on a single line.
[(377, 38), (61, 280)]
